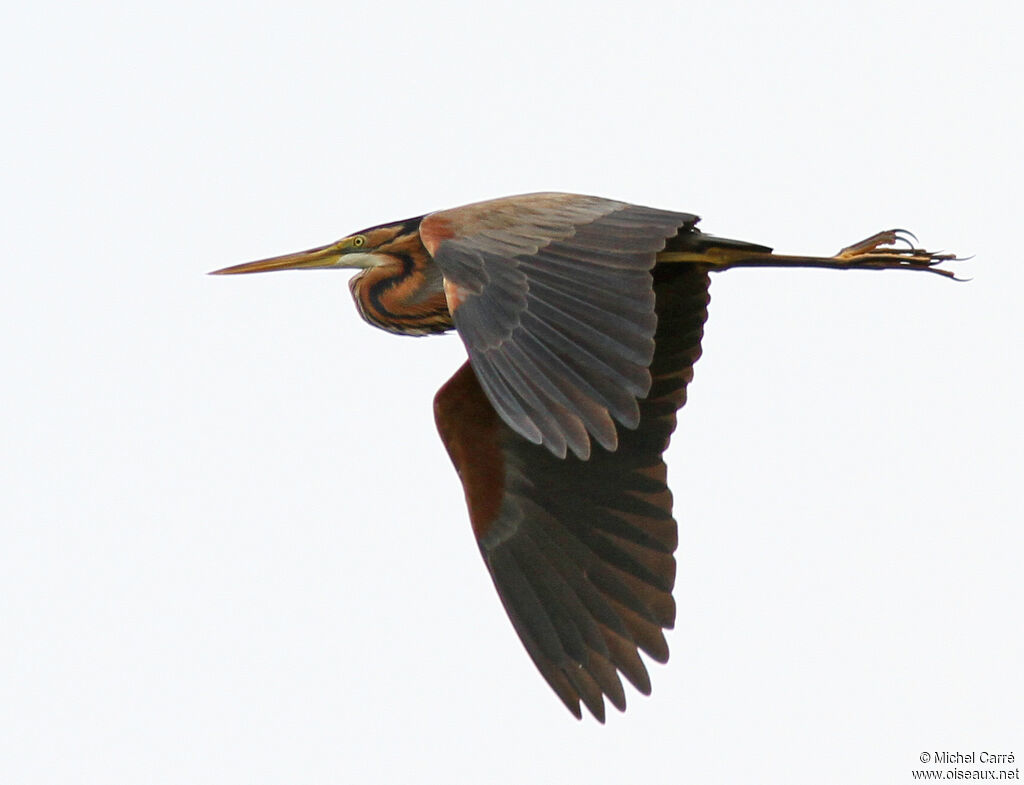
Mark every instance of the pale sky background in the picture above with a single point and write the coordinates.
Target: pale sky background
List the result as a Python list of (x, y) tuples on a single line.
[(232, 548)]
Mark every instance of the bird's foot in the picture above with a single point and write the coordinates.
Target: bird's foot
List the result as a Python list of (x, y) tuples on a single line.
[(894, 248)]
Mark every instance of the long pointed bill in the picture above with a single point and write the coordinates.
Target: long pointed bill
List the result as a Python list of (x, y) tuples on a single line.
[(325, 256)]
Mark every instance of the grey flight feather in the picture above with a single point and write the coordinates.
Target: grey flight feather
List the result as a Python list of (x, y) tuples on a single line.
[(556, 309)]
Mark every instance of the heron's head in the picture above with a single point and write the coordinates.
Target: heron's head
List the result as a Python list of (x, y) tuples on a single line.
[(369, 248)]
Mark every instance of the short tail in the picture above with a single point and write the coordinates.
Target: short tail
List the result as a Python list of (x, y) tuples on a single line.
[(894, 249)]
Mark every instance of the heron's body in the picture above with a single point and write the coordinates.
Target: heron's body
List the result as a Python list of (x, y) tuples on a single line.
[(582, 318)]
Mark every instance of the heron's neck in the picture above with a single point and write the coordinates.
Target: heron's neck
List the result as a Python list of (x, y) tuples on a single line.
[(403, 294)]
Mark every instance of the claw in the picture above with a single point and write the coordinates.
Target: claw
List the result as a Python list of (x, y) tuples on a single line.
[(906, 236)]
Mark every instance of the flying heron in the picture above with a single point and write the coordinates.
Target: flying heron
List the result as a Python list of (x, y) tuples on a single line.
[(582, 318)]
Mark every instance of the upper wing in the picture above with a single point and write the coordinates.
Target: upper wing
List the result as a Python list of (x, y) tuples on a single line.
[(551, 294), (581, 551)]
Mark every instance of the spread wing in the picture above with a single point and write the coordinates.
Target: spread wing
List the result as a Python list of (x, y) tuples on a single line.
[(580, 551), (551, 294)]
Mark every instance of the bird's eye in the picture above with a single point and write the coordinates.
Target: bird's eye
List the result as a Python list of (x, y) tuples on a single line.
[(358, 242)]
